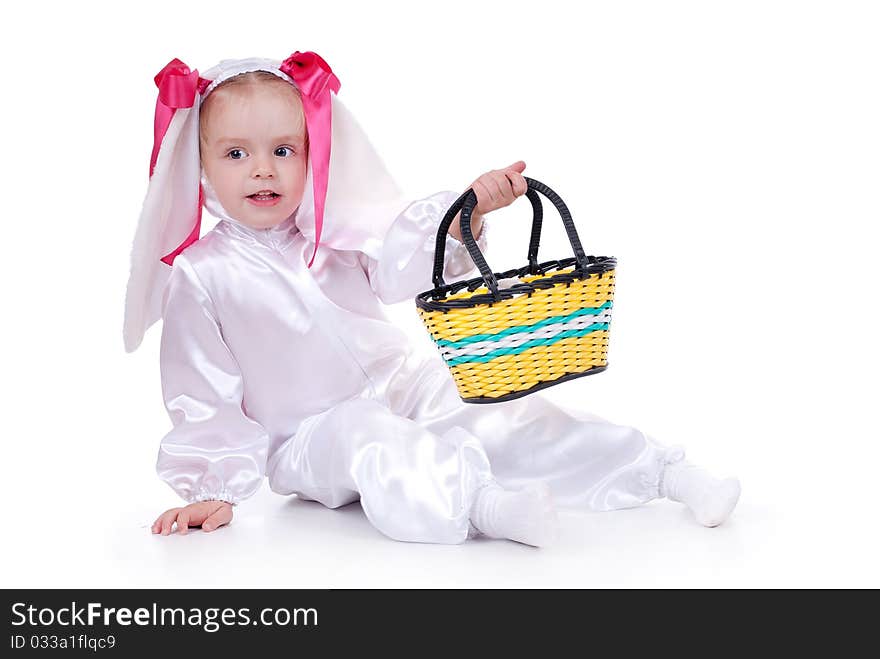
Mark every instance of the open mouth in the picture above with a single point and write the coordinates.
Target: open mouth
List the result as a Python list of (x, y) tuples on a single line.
[(263, 196)]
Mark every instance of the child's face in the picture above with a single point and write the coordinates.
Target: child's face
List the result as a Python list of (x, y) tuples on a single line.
[(254, 139)]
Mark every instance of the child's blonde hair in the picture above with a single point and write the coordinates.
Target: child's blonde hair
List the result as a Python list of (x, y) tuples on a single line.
[(243, 80)]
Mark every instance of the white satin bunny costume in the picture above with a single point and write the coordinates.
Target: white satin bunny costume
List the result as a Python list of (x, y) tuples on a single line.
[(270, 368)]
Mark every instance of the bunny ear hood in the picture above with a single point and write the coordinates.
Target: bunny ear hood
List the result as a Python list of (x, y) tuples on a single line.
[(349, 201), (362, 197)]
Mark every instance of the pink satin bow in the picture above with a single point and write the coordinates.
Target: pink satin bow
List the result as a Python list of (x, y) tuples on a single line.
[(177, 89), (315, 80)]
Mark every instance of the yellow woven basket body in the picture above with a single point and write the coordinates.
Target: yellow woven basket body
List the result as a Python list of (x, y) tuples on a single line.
[(509, 334)]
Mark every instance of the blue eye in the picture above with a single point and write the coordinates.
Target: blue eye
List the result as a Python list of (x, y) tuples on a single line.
[(283, 148), (235, 151)]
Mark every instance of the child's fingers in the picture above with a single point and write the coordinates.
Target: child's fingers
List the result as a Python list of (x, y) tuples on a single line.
[(500, 187), (504, 194), (484, 194), (219, 517), (506, 179), (168, 519), (157, 525), (517, 182), (183, 521), (495, 192)]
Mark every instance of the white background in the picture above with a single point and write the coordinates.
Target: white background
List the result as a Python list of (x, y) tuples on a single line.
[(726, 153)]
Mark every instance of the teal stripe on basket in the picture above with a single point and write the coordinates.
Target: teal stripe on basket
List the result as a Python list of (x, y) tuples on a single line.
[(591, 311), (489, 356)]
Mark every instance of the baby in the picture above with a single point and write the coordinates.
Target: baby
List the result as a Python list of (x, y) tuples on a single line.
[(271, 368)]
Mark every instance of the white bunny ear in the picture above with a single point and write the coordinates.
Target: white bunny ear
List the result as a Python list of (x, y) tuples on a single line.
[(362, 198), (170, 212)]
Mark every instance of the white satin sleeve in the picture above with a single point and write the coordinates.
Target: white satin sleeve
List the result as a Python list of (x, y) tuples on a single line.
[(214, 451), (406, 262)]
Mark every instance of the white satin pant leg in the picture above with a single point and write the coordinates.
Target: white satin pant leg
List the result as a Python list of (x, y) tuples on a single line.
[(586, 460), (414, 485)]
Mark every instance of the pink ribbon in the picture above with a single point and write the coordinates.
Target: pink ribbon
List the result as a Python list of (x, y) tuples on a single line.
[(177, 89), (193, 235), (315, 80)]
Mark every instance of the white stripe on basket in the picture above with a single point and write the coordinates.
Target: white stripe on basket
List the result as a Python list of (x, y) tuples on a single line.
[(514, 340)]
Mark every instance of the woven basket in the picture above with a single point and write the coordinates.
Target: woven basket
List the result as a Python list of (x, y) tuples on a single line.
[(505, 335)]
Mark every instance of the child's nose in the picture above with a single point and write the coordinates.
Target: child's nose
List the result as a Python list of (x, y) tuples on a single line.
[(263, 169)]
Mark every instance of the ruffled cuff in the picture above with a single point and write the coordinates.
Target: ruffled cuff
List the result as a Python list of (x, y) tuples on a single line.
[(222, 495), (481, 241), (669, 456)]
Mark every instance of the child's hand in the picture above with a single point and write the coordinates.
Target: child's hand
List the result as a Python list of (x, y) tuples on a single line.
[(207, 514), (494, 190)]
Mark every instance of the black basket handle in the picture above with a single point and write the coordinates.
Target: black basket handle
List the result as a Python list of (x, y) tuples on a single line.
[(466, 203)]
